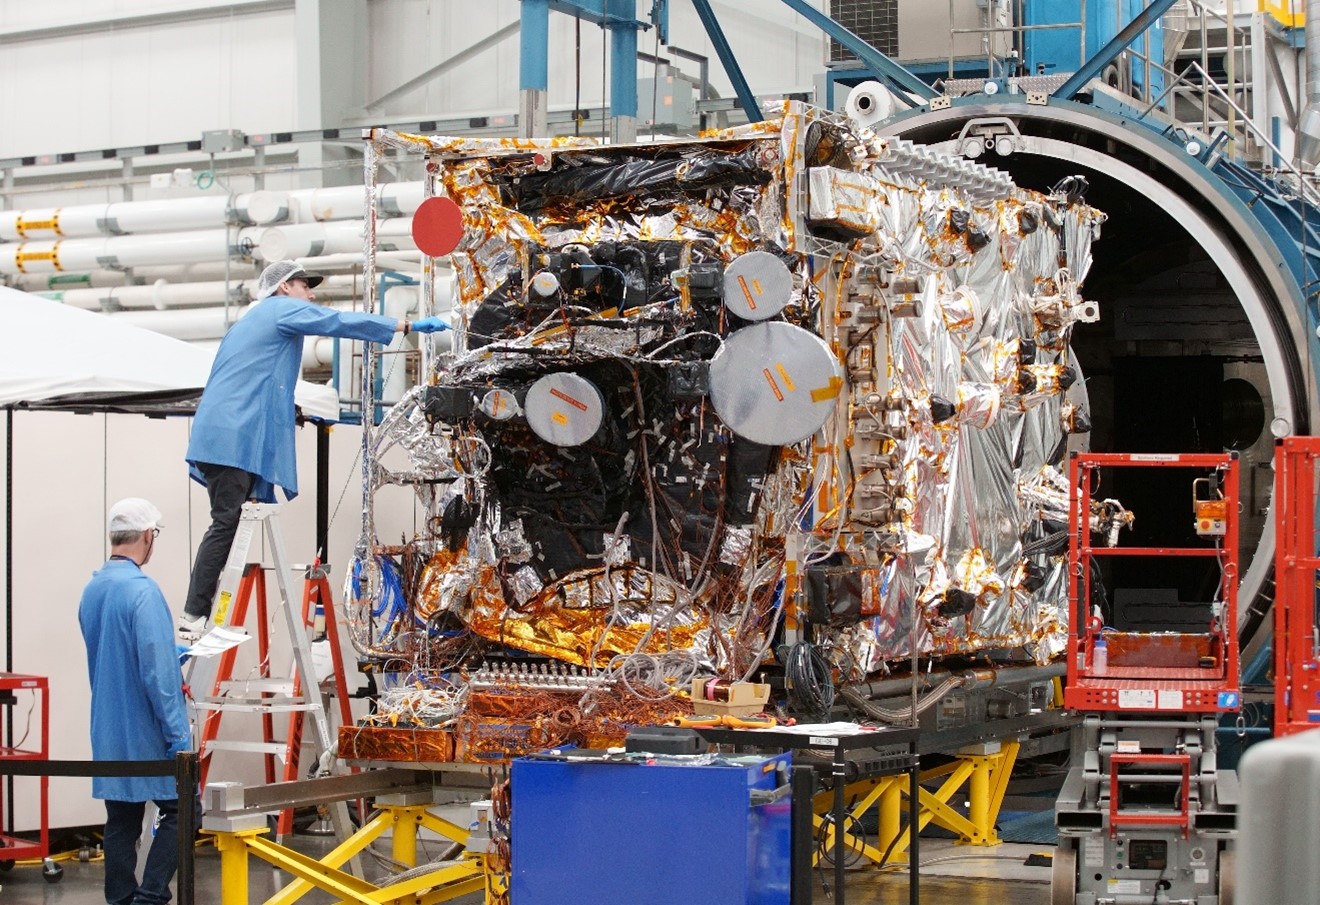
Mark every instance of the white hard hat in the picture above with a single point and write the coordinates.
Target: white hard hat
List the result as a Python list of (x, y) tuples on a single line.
[(134, 514)]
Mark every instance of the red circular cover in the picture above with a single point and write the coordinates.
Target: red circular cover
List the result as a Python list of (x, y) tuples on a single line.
[(437, 226)]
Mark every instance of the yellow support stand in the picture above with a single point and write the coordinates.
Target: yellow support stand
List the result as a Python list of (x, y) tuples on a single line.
[(402, 821), (985, 777)]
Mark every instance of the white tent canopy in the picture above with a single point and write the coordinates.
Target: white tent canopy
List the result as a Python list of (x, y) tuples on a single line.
[(56, 356)]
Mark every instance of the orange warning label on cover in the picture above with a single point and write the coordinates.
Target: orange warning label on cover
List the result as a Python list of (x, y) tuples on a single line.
[(580, 406), (774, 387), (747, 292)]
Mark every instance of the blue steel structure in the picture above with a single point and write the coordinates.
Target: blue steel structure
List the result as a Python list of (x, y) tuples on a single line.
[(615, 16), (1051, 47), (1142, 20)]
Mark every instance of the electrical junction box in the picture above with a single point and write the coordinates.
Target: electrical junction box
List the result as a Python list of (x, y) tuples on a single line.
[(670, 98), (220, 140), (677, 831), (1211, 518)]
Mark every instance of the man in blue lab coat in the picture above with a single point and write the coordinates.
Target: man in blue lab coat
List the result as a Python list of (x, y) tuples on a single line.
[(138, 711), (242, 444)]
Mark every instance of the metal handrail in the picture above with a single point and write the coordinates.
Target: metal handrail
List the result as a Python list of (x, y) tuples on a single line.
[(987, 30), (1210, 86)]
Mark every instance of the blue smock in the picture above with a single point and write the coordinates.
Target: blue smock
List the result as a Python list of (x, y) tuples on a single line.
[(138, 710), (246, 416)]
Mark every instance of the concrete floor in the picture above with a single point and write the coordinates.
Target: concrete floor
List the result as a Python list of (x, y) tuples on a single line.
[(951, 875)]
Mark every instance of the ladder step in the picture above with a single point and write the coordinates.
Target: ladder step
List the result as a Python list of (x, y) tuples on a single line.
[(274, 685), (255, 706), (277, 748)]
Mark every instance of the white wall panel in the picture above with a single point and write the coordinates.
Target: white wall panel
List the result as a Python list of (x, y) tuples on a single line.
[(145, 83), (148, 84), (68, 470), (777, 49)]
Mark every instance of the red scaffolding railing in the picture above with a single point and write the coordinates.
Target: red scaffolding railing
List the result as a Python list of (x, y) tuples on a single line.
[(1297, 599), (1164, 671)]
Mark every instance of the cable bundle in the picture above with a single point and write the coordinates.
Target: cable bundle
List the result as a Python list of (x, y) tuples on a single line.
[(809, 680)]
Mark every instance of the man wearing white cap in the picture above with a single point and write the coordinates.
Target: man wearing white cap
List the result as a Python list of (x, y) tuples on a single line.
[(138, 710), (242, 444)]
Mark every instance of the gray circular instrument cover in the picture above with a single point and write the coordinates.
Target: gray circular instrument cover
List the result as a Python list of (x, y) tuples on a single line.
[(757, 286), (564, 409), (774, 383), (499, 405)]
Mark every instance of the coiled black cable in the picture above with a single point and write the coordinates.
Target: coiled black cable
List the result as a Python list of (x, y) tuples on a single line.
[(810, 683)]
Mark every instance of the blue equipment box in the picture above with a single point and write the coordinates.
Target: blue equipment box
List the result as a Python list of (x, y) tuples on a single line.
[(662, 832)]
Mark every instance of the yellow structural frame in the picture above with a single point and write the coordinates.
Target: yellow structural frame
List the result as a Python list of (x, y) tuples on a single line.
[(985, 777), (403, 822), (1284, 11)]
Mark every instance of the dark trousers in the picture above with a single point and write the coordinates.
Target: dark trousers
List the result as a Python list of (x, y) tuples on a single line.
[(123, 827), (228, 489)]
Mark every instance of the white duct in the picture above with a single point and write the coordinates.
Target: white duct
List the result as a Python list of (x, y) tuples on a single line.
[(304, 240), (162, 215), (260, 208), (318, 353), (194, 324), (1308, 126), (162, 294), (203, 271), (869, 103), (395, 260), (189, 325), (77, 255), (344, 202)]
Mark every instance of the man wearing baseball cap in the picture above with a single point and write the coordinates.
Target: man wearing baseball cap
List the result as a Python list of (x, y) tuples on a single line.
[(138, 711), (242, 443)]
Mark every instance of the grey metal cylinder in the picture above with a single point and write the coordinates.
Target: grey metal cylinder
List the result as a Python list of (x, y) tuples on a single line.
[(1308, 124)]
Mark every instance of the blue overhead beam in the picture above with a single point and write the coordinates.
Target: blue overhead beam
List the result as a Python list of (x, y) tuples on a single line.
[(534, 46), (616, 16), (623, 57), (1106, 55), (878, 63), (606, 13), (746, 99)]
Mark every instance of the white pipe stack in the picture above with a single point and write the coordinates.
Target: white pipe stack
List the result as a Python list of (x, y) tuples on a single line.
[(162, 294), (176, 265), (125, 217)]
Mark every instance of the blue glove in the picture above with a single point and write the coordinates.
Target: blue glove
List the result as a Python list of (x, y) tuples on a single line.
[(429, 325), (183, 652)]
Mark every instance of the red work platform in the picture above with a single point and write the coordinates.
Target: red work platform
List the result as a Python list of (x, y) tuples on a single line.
[(12, 848), (1297, 598), (1158, 671)]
